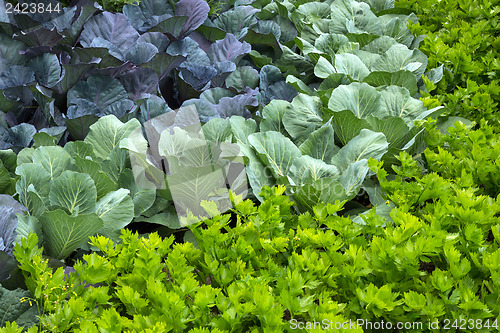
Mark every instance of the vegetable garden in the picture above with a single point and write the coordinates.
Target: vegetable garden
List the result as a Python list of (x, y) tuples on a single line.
[(249, 166)]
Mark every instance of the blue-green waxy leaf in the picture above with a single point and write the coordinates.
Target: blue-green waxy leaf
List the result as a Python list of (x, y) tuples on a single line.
[(190, 49), (63, 234), (269, 75), (53, 159), (298, 84), (32, 174), (368, 58), (142, 197), (78, 124), (195, 184), (75, 192), (435, 74), (353, 16), (224, 69), (102, 182), (396, 101), (266, 33), (325, 190), (141, 53), (48, 136), (102, 91), (320, 144), (243, 77), (12, 310), (169, 219), (380, 45), (61, 22), (148, 13), (353, 176), (242, 128), (228, 49), (258, 174), (157, 39), (217, 130), (350, 47), (76, 26), (357, 41), (302, 117), (347, 126), (195, 10), (197, 76), (79, 148), (34, 203), (206, 110), (276, 151), (361, 98), (394, 129), (214, 95), (17, 136), (116, 210), (151, 106), (382, 5), (397, 29), (8, 223), (144, 157), (163, 63), (172, 26), (114, 165), (27, 224), (107, 133), (47, 69), (43, 139), (140, 81), (330, 43), (237, 21), (25, 156), (8, 265), (272, 115), (112, 27), (366, 145), (307, 169), (273, 86), (400, 78), (10, 50), (351, 65), (313, 10), (331, 82), (16, 76), (324, 68), (399, 57)]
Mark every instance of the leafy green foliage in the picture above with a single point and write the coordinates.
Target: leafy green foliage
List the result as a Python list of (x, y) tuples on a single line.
[(429, 264), (424, 249), (464, 38), (361, 65), (73, 192), (464, 153), (348, 39), (116, 5), (66, 69), (303, 155)]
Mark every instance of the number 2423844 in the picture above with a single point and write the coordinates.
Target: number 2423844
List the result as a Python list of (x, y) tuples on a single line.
[(32, 8)]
